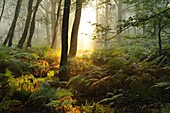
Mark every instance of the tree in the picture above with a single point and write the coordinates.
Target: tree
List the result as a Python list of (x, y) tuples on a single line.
[(155, 20), (13, 25), (32, 27), (27, 24), (54, 38), (119, 19), (74, 34), (63, 62), (3, 7), (46, 18), (53, 18)]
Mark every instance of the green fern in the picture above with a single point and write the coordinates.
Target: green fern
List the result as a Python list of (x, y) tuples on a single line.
[(95, 108), (111, 99), (26, 56), (5, 105), (164, 85), (78, 84)]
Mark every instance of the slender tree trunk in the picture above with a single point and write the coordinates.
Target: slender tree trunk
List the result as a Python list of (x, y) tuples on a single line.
[(159, 37), (13, 25), (97, 18), (54, 39), (119, 37), (32, 27), (47, 23), (74, 34), (107, 25), (63, 62), (27, 24), (53, 16), (3, 7)]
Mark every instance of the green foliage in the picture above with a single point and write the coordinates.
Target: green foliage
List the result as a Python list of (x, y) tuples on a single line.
[(95, 108), (111, 99), (163, 85), (166, 108), (52, 97), (6, 105), (29, 56), (5, 52), (78, 84), (23, 83), (50, 74)]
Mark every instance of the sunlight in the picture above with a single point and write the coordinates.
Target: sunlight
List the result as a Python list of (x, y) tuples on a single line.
[(85, 42)]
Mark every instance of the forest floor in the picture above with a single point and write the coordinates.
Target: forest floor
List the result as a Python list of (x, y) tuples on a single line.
[(113, 80)]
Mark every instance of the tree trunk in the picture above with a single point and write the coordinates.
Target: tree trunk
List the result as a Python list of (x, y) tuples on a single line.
[(107, 25), (159, 37), (119, 37), (27, 24), (13, 25), (53, 16), (32, 27), (54, 39), (63, 62), (3, 7), (74, 34), (47, 23)]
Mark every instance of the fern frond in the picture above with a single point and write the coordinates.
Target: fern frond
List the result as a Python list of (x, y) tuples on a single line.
[(165, 85)]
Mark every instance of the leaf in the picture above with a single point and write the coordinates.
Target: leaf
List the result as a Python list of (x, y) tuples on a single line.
[(111, 99)]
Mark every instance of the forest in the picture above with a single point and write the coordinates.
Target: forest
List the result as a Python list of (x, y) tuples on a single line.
[(84, 56)]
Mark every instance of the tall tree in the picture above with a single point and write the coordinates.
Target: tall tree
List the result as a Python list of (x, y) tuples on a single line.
[(32, 27), (54, 38), (53, 16), (74, 34), (119, 19), (27, 24), (3, 7), (63, 62), (13, 25)]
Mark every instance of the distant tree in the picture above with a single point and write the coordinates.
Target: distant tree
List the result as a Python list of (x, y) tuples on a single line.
[(13, 25), (27, 24), (153, 16), (53, 18), (119, 4), (46, 19), (75, 28), (54, 38), (2, 11), (32, 26), (63, 62)]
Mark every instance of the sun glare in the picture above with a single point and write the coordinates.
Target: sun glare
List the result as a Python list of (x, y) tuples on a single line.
[(86, 30)]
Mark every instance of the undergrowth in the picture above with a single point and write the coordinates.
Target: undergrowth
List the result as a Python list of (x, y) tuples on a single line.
[(131, 78)]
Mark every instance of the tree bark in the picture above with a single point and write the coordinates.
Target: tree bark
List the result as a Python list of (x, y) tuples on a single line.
[(53, 16), (27, 24), (74, 34), (32, 27), (54, 39), (106, 25), (13, 25), (47, 23), (119, 37), (63, 62), (3, 7)]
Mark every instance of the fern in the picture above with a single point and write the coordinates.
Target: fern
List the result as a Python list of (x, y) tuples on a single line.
[(23, 83), (28, 56), (95, 108), (78, 84), (165, 85), (111, 99), (57, 98), (5, 105)]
